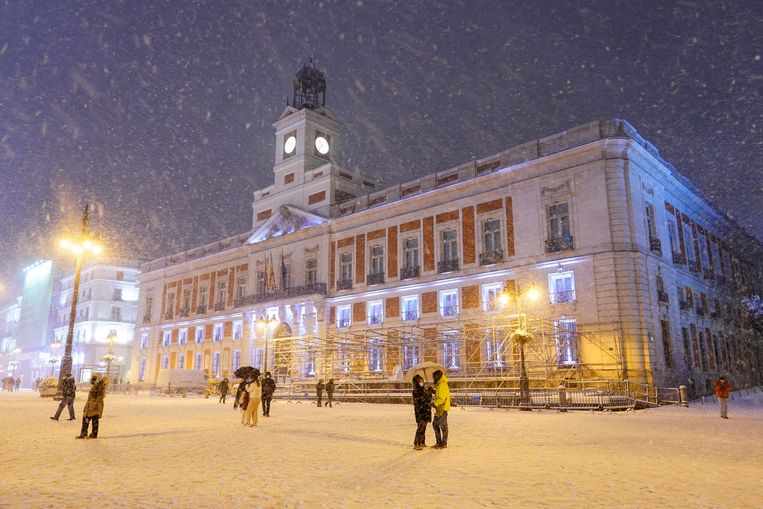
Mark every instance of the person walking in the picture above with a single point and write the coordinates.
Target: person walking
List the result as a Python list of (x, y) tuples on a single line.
[(441, 407), (319, 391), (254, 389), (68, 392), (722, 388), (422, 410), (18, 383), (329, 392), (268, 388), (93, 407), (223, 390)]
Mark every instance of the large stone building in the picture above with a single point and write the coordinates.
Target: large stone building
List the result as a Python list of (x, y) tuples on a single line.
[(615, 264)]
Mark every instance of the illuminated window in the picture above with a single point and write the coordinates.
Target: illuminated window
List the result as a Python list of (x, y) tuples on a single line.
[(142, 369), (166, 338), (410, 351), (216, 364), (183, 337), (449, 303), (238, 329), (181, 361), (165, 362), (491, 296), (451, 350), (375, 354), (144, 340), (199, 334), (561, 287), (217, 332), (236, 359), (375, 312), (343, 317), (565, 336), (411, 307), (197, 362)]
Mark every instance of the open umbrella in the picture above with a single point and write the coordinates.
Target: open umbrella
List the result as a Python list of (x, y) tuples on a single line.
[(247, 372), (425, 369)]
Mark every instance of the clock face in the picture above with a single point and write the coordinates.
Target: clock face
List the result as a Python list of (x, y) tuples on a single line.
[(290, 144), (322, 145)]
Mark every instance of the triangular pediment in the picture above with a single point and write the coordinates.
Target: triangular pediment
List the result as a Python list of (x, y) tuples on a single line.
[(285, 220), (288, 111)]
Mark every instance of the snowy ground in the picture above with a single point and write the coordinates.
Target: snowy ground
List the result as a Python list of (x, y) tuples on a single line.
[(172, 452)]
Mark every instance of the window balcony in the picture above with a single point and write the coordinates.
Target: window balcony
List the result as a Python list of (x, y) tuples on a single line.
[(219, 306), (411, 315), (410, 272), (168, 315), (294, 291), (683, 305), (449, 311), (146, 318), (491, 257), (559, 244), (662, 296), (679, 259), (563, 297), (184, 312), (200, 310), (344, 284), (444, 266), (343, 323), (376, 278), (375, 320), (655, 245)]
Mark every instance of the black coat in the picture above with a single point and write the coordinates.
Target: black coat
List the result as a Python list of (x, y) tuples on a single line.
[(68, 389), (319, 389), (422, 404), (330, 388), (223, 387), (268, 388)]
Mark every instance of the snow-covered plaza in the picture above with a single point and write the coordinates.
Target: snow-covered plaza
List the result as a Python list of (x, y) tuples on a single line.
[(192, 452)]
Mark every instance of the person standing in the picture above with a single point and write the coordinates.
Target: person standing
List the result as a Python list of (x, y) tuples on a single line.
[(422, 410), (268, 388), (223, 390), (319, 391), (441, 407), (254, 389), (18, 383), (330, 392), (722, 388), (68, 392), (93, 407)]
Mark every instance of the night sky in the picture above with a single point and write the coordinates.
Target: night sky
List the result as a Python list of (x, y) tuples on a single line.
[(161, 111)]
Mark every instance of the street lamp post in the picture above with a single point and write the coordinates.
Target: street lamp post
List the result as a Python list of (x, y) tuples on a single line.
[(266, 324), (79, 247), (522, 336), (109, 357)]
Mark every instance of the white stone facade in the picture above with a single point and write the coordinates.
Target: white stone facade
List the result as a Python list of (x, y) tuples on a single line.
[(365, 283)]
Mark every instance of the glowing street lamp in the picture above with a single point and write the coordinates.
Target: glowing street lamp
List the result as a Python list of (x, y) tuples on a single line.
[(521, 336), (109, 357), (79, 246), (266, 325)]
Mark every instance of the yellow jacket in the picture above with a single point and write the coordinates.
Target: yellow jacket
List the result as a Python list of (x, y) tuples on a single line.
[(442, 396)]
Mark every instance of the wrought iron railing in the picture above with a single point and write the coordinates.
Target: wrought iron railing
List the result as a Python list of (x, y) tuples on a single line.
[(343, 324), (562, 297), (655, 245), (219, 306), (449, 311), (168, 315), (375, 320), (200, 310), (491, 257), (344, 284), (294, 291), (662, 296), (184, 312), (410, 272), (555, 245), (447, 266), (410, 315), (376, 278)]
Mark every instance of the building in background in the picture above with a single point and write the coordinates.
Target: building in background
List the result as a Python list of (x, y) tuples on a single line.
[(105, 318), (9, 319), (615, 266)]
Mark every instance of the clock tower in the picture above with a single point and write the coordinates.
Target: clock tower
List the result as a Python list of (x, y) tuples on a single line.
[(306, 174)]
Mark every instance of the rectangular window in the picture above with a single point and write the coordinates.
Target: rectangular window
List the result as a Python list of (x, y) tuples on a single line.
[(241, 287), (181, 361), (261, 282), (558, 221), (449, 303), (238, 329), (565, 336), (216, 364), (117, 294), (166, 338), (144, 340), (165, 362), (491, 235), (142, 369), (343, 356), (411, 307), (491, 296), (377, 259), (345, 263), (675, 241), (702, 241), (203, 296), (120, 275), (197, 361), (451, 350), (310, 356), (222, 293), (311, 271), (375, 354), (185, 305), (411, 252), (343, 314), (236, 359), (651, 229), (199, 334), (449, 245), (667, 347), (183, 337), (116, 313), (375, 312), (691, 254), (561, 287), (410, 351), (170, 307), (217, 334), (495, 348)]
